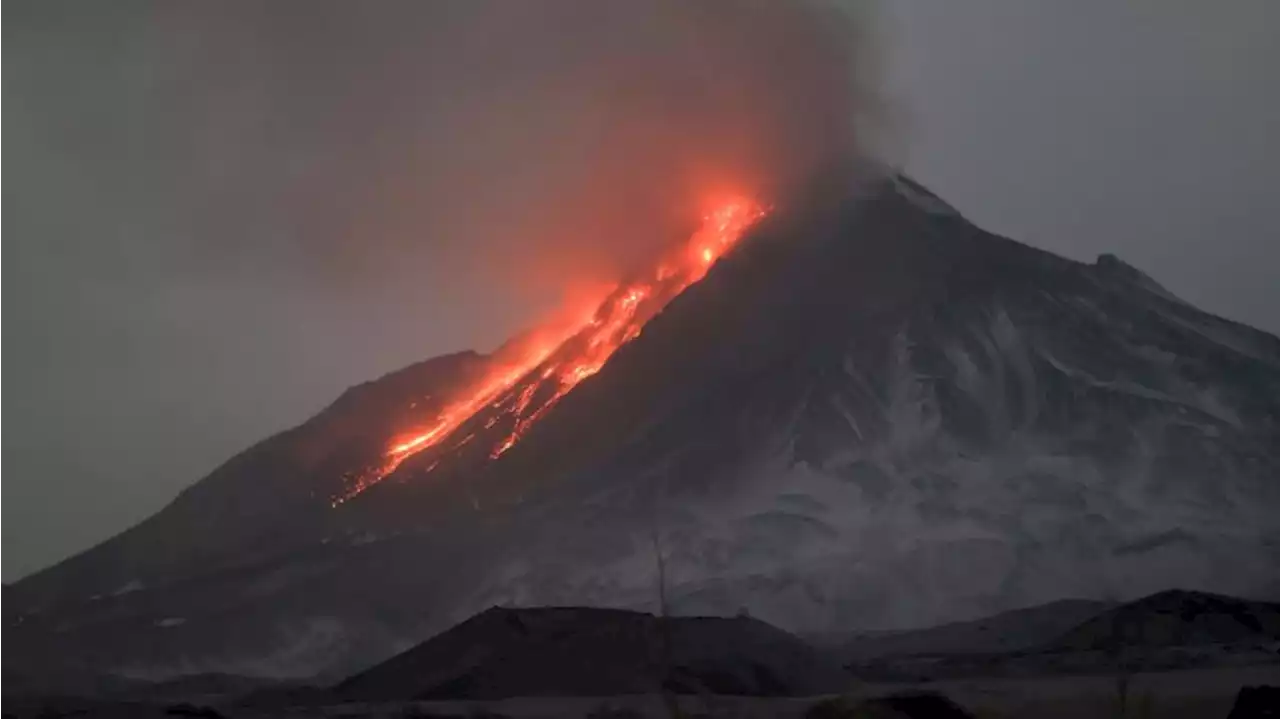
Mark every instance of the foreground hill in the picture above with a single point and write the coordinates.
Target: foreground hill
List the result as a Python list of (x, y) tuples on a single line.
[(1176, 618), (579, 651)]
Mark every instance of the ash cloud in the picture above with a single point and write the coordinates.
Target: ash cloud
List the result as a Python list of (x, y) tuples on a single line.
[(229, 212), (522, 145)]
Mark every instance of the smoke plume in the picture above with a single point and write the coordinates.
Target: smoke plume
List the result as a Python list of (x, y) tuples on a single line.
[(533, 147), (231, 211)]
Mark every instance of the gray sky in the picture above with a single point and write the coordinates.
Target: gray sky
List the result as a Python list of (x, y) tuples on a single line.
[(220, 216)]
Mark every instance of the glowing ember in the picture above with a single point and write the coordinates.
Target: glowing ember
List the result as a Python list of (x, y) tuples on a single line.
[(525, 388)]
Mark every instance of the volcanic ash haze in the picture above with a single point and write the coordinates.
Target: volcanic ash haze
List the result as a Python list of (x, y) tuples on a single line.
[(561, 144), (618, 127), (347, 190)]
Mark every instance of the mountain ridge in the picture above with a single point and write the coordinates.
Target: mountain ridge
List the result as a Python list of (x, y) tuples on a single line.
[(872, 414)]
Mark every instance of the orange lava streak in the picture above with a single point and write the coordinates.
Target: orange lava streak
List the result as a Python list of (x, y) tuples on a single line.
[(573, 353)]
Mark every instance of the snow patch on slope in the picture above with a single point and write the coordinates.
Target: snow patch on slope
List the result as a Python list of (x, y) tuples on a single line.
[(913, 524)]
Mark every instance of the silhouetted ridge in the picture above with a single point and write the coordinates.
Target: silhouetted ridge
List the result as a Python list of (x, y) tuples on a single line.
[(1176, 618), (578, 651)]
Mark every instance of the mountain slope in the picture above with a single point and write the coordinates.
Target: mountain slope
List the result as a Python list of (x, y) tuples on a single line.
[(892, 416), (1012, 631), (870, 414), (271, 495), (1169, 630), (1171, 618)]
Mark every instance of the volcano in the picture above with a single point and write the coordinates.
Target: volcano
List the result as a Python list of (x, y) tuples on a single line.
[(858, 411)]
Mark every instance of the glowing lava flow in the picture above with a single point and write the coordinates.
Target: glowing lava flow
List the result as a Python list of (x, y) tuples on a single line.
[(522, 390)]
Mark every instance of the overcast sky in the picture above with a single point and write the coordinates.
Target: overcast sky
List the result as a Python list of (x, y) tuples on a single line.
[(220, 216)]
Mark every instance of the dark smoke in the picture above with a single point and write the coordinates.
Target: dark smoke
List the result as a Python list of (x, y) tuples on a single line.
[(519, 145), (231, 211)]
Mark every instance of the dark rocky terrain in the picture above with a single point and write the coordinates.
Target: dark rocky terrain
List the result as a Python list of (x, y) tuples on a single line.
[(1260, 702)]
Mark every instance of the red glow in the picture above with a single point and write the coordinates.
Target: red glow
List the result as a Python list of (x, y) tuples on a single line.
[(543, 370)]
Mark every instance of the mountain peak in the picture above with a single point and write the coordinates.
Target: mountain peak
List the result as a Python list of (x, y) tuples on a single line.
[(920, 196), (1111, 266)]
